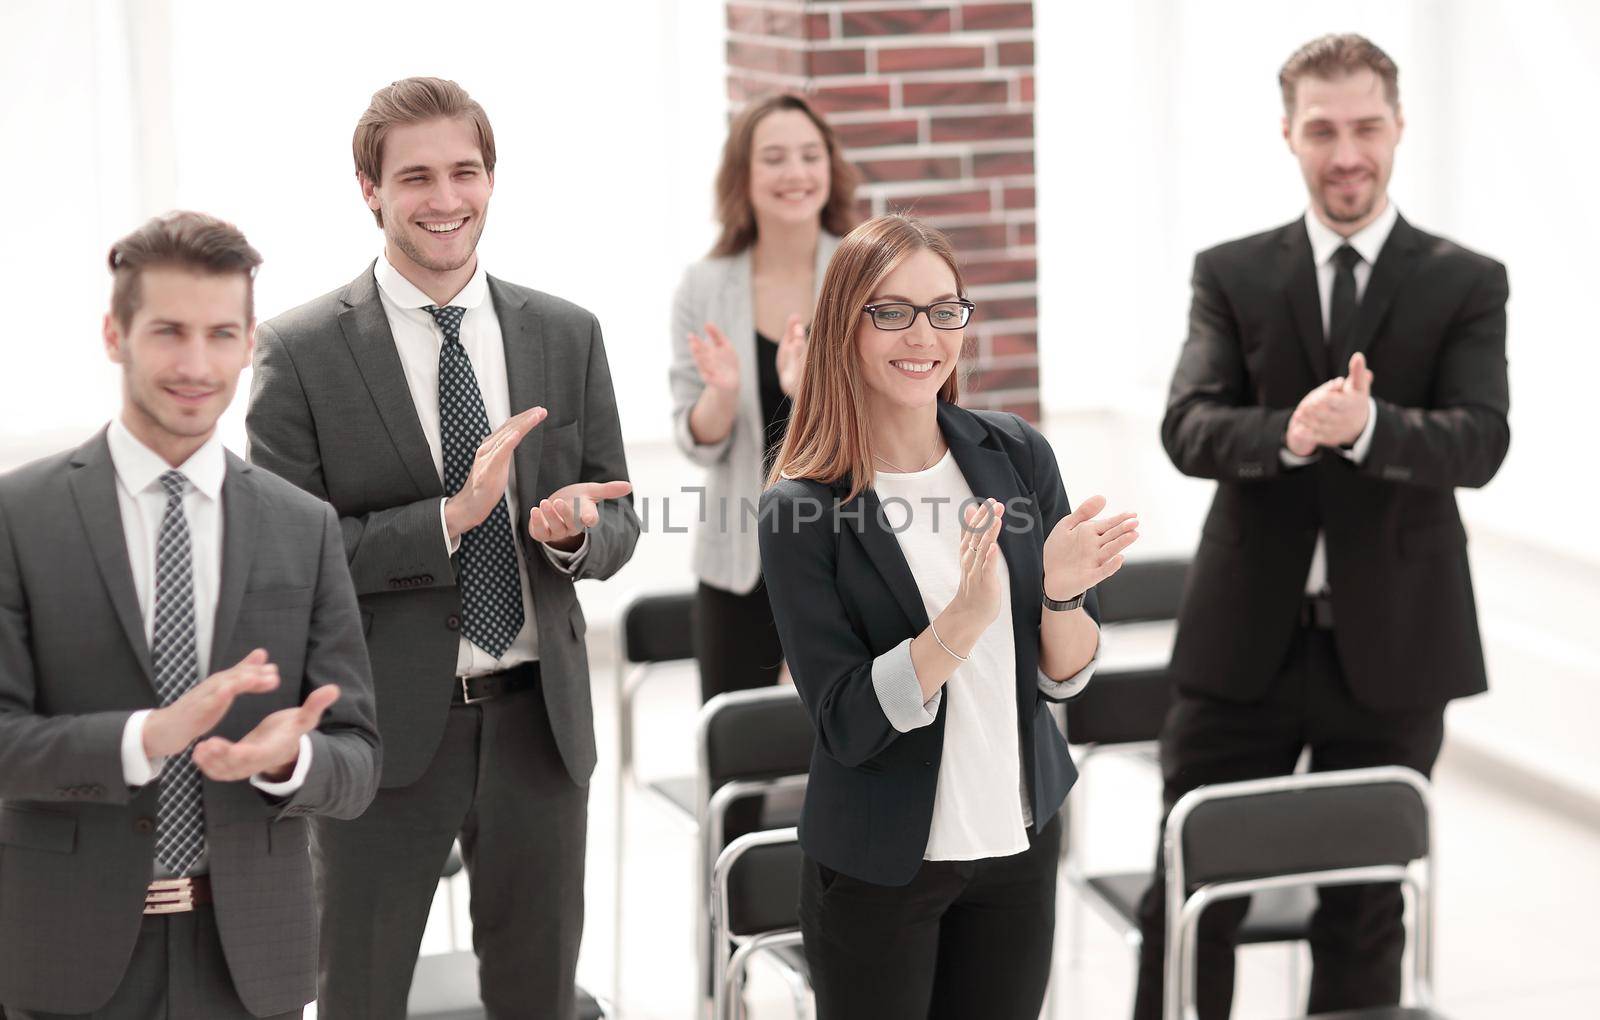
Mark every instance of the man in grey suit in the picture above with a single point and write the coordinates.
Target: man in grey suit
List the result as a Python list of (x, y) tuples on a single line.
[(156, 591), (409, 398)]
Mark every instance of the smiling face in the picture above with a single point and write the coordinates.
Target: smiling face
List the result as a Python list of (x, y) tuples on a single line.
[(1344, 132), (181, 353), (906, 367), (433, 195), (789, 177)]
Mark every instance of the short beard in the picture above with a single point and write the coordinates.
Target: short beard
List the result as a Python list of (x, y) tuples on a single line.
[(412, 252), (1355, 217)]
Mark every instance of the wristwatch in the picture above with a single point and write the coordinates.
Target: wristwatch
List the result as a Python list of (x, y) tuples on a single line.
[(1063, 605)]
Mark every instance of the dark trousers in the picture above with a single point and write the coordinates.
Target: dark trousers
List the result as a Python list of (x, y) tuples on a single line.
[(177, 972), (735, 640), (736, 648), (1357, 934), (498, 782), (964, 939)]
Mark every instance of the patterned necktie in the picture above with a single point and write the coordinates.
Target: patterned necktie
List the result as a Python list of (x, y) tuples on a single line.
[(181, 828), (1342, 304), (491, 595)]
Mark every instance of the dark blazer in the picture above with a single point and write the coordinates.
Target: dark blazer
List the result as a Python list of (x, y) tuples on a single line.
[(331, 412), (1432, 323), (844, 595), (76, 844)]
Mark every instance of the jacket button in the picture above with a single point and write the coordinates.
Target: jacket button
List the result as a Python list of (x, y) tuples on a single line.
[(928, 763), (427, 578), (144, 826), (452, 622)]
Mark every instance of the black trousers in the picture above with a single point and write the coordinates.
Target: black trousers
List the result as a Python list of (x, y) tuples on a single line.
[(964, 939), (498, 781), (735, 640), (177, 972), (1357, 934)]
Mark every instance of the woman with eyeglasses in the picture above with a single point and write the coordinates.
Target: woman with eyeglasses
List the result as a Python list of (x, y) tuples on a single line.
[(933, 591), (784, 196)]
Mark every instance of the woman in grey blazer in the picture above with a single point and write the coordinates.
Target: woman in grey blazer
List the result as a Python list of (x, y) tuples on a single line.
[(785, 194)]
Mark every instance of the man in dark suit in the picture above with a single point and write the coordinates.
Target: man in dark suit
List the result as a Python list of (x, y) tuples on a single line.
[(464, 544), (155, 591), (1329, 604)]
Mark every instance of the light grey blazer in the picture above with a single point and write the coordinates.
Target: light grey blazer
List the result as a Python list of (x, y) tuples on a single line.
[(76, 844), (718, 290)]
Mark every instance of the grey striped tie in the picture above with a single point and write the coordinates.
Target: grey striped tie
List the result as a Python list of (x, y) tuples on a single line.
[(180, 833)]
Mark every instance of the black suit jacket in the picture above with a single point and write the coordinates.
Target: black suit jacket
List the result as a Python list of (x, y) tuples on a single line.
[(844, 595), (1432, 323)]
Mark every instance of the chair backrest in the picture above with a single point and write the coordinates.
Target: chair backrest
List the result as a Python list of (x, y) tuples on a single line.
[(1319, 828), (1120, 706), (752, 735), (1143, 590), (658, 628), (1320, 821), (759, 881)]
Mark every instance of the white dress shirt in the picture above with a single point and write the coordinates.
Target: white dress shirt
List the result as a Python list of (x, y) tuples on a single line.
[(1368, 242), (143, 502), (418, 339)]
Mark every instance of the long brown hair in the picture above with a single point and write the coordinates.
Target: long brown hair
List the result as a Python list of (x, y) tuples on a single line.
[(734, 211), (827, 435)]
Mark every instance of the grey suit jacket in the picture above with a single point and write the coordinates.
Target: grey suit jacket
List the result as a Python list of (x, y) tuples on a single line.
[(718, 291), (77, 845), (331, 412)]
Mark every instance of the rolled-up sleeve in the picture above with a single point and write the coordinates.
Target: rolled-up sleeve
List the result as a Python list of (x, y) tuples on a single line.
[(894, 680)]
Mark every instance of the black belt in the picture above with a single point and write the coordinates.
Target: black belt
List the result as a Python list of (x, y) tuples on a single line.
[(1317, 611), (470, 689)]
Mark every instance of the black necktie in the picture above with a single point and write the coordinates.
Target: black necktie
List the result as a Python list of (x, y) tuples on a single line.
[(180, 812), (1342, 305), (491, 595)]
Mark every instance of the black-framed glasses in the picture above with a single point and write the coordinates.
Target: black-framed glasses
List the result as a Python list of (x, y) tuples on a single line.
[(892, 315)]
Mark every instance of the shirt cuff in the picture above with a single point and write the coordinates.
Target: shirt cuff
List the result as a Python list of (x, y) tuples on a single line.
[(564, 561), (138, 768), (1072, 686), (894, 680), (1358, 449), (1293, 460), (296, 779), (450, 544)]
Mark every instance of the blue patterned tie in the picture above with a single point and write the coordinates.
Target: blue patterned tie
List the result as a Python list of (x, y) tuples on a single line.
[(491, 595), (180, 813)]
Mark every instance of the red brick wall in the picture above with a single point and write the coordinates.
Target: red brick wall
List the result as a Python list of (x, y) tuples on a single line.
[(934, 102)]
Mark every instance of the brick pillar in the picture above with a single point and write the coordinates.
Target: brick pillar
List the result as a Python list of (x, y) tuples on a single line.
[(934, 102)]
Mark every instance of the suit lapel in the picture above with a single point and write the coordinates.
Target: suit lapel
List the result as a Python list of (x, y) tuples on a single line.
[(1305, 301), (989, 474), (526, 373), (1395, 263), (94, 489), (366, 330), (864, 516), (240, 508)]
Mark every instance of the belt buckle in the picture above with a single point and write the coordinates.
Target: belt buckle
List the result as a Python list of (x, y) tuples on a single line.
[(466, 692), (169, 896)]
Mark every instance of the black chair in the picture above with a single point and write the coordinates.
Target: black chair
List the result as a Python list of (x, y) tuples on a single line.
[(1300, 831), (444, 986), (1122, 710), (752, 744), (754, 910)]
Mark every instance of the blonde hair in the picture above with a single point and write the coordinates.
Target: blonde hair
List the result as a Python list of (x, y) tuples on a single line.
[(413, 101), (827, 435), (734, 211)]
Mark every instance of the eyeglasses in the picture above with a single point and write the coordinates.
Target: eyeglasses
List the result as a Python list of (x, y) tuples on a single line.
[(893, 315)]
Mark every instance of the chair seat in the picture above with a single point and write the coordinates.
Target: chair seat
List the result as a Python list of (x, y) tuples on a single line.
[(1381, 1013), (1282, 916), (677, 791), (445, 987)]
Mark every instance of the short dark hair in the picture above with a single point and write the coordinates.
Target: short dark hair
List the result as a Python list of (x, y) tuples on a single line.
[(1335, 56), (186, 240), (413, 101)]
